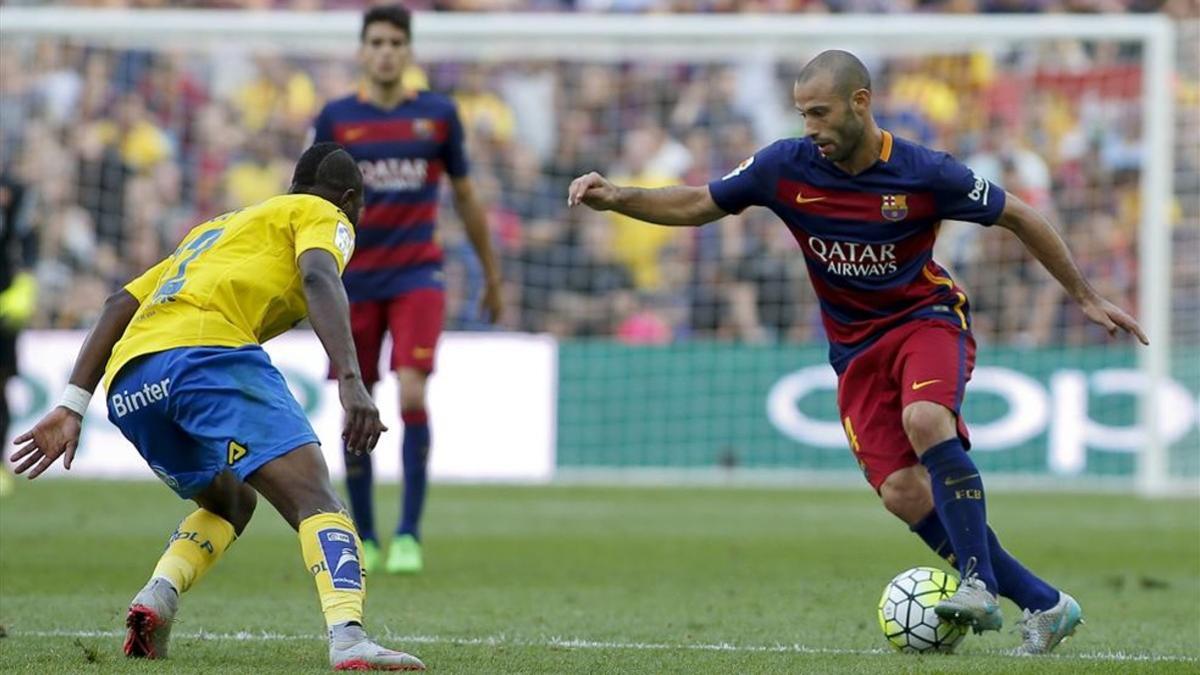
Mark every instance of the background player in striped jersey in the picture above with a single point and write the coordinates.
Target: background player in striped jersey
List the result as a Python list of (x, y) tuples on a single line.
[(865, 207), (403, 140)]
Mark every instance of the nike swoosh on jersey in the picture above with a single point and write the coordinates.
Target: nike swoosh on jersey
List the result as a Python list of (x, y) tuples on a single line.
[(922, 385), (956, 481), (801, 199)]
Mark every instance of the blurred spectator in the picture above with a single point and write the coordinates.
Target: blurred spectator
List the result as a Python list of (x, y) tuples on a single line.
[(257, 176), (124, 149), (638, 245)]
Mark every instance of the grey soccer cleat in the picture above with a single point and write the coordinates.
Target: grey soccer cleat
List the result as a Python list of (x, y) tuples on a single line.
[(149, 620), (971, 605), (351, 649), (1043, 630)]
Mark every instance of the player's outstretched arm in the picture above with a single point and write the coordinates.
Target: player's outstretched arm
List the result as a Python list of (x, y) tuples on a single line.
[(467, 205), (1044, 242), (329, 314), (685, 205), (57, 434)]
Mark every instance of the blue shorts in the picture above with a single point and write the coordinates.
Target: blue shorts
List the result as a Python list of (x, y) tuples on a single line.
[(194, 412)]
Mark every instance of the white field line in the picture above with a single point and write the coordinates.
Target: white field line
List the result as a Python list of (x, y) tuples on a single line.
[(576, 643)]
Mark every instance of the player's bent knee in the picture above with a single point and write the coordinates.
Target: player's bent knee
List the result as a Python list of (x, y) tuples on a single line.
[(926, 424), (906, 495), (297, 484), (242, 510), (231, 500), (412, 388)]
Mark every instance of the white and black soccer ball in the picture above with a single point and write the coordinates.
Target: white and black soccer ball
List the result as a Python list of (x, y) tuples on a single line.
[(906, 611)]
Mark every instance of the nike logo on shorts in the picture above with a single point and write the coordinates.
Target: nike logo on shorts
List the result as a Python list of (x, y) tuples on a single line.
[(922, 385)]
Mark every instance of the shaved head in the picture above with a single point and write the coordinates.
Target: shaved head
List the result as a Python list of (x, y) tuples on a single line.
[(833, 95), (328, 171), (847, 72)]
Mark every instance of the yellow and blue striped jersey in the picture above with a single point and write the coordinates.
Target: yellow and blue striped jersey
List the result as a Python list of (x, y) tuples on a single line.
[(234, 280)]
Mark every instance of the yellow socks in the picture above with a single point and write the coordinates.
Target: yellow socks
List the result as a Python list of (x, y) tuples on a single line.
[(332, 552), (198, 543)]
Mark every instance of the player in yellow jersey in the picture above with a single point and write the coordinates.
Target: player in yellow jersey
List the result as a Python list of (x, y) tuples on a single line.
[(190, 386)]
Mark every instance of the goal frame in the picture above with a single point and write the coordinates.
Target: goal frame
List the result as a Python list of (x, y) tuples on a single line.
[(709, 37)]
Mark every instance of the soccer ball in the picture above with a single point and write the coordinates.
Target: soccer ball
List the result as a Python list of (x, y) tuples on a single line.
[(906, 611)]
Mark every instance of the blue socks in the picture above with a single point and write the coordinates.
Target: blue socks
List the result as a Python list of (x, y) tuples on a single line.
[(959, 502), (415, 457), (359, 485), (1015, 582)]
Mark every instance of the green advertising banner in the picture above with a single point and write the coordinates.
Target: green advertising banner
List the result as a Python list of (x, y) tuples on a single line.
[(1031, 411)]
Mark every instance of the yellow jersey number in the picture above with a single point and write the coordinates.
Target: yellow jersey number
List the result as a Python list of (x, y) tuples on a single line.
[(171, 286)]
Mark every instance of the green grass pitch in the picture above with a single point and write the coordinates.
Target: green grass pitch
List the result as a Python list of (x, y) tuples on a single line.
[(596, 580)]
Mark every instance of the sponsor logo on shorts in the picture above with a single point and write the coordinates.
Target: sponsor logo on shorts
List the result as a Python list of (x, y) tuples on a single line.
[(236, 452), (341, 559), (422, 352), (923, 384), (165, 477), (125, 402)]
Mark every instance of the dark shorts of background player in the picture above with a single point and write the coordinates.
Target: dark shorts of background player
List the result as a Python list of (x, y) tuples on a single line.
[(415, 321), (924, 360), (8, 353)]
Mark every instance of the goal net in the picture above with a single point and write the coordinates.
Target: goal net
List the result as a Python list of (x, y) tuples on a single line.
[(680, 352)]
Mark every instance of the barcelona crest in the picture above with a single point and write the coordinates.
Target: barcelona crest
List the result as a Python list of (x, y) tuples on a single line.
[(422, 128), (894, 207)]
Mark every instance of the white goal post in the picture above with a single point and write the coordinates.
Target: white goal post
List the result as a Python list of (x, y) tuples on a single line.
[(610, 38)]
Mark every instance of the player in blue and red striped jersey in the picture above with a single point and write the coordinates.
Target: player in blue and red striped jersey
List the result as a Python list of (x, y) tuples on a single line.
[(404, 141), (864, 207)]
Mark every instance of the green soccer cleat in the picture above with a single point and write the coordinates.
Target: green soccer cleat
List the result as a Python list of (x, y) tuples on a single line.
[(1043, 630), (404, 555), (371, 555)]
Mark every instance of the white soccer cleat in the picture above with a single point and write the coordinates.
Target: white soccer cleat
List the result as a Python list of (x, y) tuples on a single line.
[(351, 649), (149, 620), (1043, 630), (972, 605)]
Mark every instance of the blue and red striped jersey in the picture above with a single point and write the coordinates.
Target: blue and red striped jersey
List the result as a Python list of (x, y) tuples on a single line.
[(403, 153), (867, 239)]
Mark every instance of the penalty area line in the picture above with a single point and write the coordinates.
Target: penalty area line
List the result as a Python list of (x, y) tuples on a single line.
[(577, 643)]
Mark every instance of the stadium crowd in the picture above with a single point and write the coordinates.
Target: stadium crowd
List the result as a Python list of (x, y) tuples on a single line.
[(123, 150)]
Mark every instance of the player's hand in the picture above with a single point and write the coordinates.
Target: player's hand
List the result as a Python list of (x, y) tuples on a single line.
[(492, 301), (361, 424), (1113, 318), (593, 190), (55, 434)]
